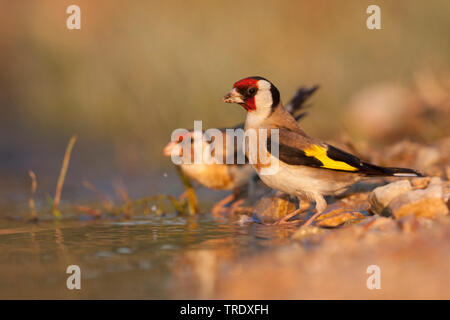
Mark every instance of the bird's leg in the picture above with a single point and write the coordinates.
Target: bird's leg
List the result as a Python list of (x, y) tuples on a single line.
[(285, 219), (303, 206), (219, 207), (237, 208), (183, 195), (321, 205)]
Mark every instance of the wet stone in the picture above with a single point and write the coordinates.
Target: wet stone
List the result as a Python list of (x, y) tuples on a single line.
[(337, 217), (380, 198), (420, 183), (428, 203), (271, 209)]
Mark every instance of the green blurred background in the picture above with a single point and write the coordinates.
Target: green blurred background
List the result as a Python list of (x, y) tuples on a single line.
[(138, 70)]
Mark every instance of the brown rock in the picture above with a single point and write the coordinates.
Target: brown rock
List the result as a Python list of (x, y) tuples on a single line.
[(272, 208), (428, 203), (420, 183), (446, 193), (380, 198), (427, 159), (378, 223), (337, 217)]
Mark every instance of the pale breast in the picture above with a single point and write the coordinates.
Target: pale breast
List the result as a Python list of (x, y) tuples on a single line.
[(219, 176)]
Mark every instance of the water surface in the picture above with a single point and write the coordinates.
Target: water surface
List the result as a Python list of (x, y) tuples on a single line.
[(153, 257)]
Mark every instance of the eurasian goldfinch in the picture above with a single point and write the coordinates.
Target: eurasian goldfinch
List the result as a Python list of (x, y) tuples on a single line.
[(306, 167), (223, 176)]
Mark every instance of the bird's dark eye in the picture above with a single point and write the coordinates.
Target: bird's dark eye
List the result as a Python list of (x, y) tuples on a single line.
[(252, 90)]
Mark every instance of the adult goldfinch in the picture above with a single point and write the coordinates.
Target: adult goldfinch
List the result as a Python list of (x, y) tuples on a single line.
[(306, 167), (221, 176)]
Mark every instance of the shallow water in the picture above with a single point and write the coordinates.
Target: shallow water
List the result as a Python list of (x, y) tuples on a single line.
[(140, 258)]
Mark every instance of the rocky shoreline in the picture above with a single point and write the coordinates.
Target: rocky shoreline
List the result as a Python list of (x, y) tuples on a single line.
[(400, 225)]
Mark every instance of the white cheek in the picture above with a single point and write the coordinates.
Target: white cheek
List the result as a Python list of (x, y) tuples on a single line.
[(263, 99), (263, 102)]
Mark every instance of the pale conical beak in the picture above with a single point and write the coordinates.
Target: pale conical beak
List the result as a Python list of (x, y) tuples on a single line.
[(171, 147), (233, 97)]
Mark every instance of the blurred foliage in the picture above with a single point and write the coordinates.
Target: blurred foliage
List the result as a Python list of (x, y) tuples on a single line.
[(138, 70)]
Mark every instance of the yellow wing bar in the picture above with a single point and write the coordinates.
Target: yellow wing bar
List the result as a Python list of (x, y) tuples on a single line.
[(320, 153)]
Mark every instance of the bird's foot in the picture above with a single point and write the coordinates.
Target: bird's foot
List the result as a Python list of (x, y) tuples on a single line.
[(220, 207), (321, 205), (312, 218), (237, 207), (285, 219)]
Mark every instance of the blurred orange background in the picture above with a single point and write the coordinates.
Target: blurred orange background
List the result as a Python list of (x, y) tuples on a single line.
[(138, 70)]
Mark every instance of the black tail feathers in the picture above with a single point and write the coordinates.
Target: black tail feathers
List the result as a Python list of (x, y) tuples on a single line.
[(403, 172), (374, 170)]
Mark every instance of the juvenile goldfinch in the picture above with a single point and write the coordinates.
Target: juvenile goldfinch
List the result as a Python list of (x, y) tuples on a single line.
[(223, 176), (307, 167)]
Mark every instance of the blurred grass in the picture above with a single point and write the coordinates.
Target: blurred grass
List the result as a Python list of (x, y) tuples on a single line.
[(136, 71)]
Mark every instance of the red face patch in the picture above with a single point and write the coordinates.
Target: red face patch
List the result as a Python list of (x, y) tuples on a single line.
[(183, 136), (249, 104), (246, 82), (243, 86)]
